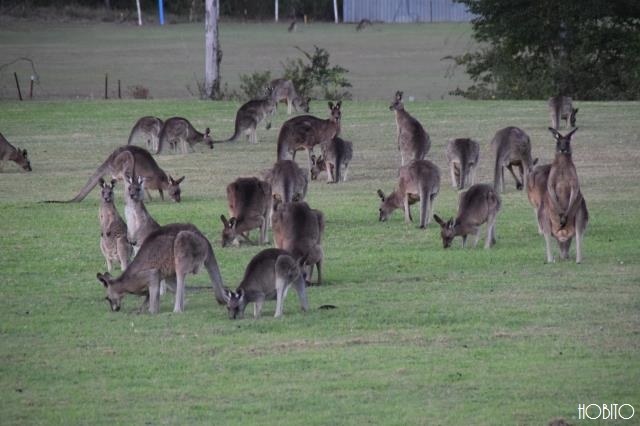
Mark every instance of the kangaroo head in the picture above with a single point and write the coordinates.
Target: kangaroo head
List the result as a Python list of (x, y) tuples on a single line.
[(106, 191), (563, 143), (236, 303), (447, 230), (229, 235), (301, 103), (135, 188), (572, 116), (384, 210), (114, 298), (207, 138), (318, 165), (23, 160), (335, 113), (174, 188), (396, 104)]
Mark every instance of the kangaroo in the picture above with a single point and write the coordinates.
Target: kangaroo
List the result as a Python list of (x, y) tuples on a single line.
[(337, 154), (307, 131), (288, 182), (140, 224), (9, 152), (292, 27), (462, 155), (179, 131), (113, 231), (249, 207), (149, 128), (169, 253), (561, 108), (298, 229), (284, 90), (364, 23), (251, 114), (418, 181), (121, 161), (511, 147), (537, 187), (413, 141), (318, 165), (268, 275), (478, 205)]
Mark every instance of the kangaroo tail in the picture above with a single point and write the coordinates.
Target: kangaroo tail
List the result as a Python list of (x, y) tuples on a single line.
[(214, 273), (161, 140), (233, 138), (91, 183)]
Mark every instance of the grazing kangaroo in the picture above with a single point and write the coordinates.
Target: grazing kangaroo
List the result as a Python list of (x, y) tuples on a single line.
[(140, 224), (288, 182), (298, 229), (462, 155), (364, 23), (511, 147), (561, 108), (251, 114), (268, 275), (563, 212), (170, 253), (9, 152), (418, 181), (179, 131), (413, 141), (336, 155), (478, 205), (249, 208), (113, 231), (149, 128), (284, 90), (307, 131)]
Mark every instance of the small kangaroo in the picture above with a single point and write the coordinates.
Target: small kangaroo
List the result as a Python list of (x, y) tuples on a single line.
[(418, 181), (307, 131), (170, 253), (364, 23), (292, 27), (251, 114), (288, 182), (149, 128), (511, 147), (140, 224), (284, 90), (249, 208), (179, 131), (462, 155), (561, 108), (478, 205), (336, 154), (268, 275), (113, 231), (298, 229), (413, 141), (9, 152)]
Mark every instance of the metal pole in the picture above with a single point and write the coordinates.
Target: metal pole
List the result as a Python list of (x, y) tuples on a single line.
[(139, 13), (18, 86), (161, 11), (335, 10)]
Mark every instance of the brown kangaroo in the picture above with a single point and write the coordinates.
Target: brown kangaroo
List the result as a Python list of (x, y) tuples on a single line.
[(268, 275), (288, 182), (170, 253), (307, 131), (140, 224), (249, 208), (9, 152), (251, 114), (179, 131), (284, 90), (561, 108), (478, 205), (364, 23), (113, 231), (149, 128), (511, 147), (418, 181), (298, 229), (336, 156), (462, 155), (413, 141)]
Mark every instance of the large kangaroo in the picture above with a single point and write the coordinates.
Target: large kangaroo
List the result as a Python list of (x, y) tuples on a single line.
[(149, 128), (251, 114), (418, 181), (478, 205), (113, 231), (268, 275), (561, 108), (336, 156), (249, 208), (307, 131), (511, 147), (288, 182), (413, 141), (170, 253), (284, 90), (9, 152), (462, 155), (140, 224), (179, 131)]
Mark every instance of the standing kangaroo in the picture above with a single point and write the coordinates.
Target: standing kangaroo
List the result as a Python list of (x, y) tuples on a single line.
[(268, 275), (462, 155), (284, 90), (561, 108), (179, 131), (249, 207), (511, 147), (149, 128), (307, 131), (170, 253), (9, 152), (288, 182), (251, 114), (337, 154), (418, 181), (478, 205), (113, 231), (140, 224), (413, 141)]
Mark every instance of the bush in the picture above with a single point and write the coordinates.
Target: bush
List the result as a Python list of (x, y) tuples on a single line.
[(254, 85)]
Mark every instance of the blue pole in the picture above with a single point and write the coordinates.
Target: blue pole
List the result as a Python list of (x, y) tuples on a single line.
[(161, 12)]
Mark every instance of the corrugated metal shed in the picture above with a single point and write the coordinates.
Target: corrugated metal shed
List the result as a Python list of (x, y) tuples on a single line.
[(405, 11)]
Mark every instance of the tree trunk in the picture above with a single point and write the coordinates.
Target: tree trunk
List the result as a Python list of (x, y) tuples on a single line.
[(212, 54)]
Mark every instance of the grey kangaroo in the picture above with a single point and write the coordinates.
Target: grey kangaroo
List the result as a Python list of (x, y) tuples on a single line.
[(478, 205), (268, 275), (140, 224), (462, 155), (249, 208), (418, 181), (284, 90), (9, 152), (512, 148), (113, 231), (288, 182), (413, 140), (251, 114), (336, 156), (170, 253), (178, 131), (148, 128), (561, 108)]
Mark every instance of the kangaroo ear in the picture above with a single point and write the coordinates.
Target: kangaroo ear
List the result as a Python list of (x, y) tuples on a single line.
[(330, 105), (380, 194), (104, 278), (575, 111), (555, 133), (226, 295), (240, 294), (224, 221), (339, 104), (570, 135), (24, 151), (101, 182), (207, 131), (179, 181), (451, 223), (535, 161), (232, 222), (439, 220), (113, 182)]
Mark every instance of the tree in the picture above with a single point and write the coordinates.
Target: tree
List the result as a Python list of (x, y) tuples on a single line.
[(213, 54), (589, 49)]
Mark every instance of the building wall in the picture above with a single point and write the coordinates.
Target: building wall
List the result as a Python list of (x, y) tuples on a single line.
[(405, 11)]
